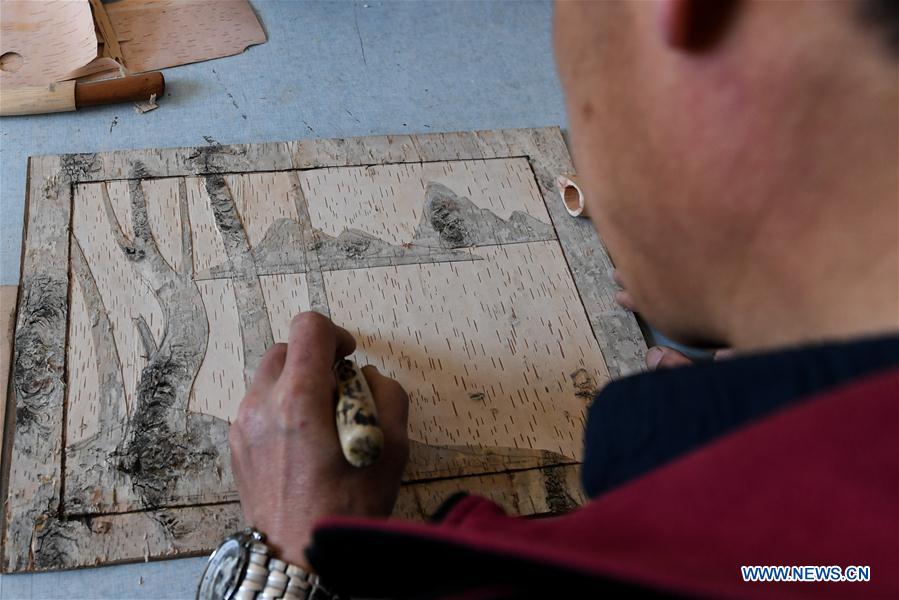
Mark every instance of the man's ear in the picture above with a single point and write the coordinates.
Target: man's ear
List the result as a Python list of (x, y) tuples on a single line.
[(695, 25)]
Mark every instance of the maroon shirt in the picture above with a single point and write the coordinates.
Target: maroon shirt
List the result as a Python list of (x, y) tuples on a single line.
[(816, 483)]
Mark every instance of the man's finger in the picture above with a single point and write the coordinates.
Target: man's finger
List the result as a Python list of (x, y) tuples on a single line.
[(269, 368), (314, 344), (392, 403), (661, 357), (622, 297), (724, 354), (625, 301)]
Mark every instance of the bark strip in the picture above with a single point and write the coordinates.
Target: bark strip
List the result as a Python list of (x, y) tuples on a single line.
[(255, 327)]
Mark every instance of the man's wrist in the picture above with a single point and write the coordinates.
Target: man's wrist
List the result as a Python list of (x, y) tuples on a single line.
[(246, 567), (273, 577), (289, 550)]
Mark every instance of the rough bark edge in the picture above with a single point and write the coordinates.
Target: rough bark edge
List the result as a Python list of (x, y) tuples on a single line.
[(197, 530), (32, 483), (285, 156), (179, 162)]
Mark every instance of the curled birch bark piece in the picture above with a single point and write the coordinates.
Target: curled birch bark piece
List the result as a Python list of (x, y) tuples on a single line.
[(572, 196), (361, 439)]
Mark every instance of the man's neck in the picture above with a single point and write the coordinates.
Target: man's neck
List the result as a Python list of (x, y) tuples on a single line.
[(819, 306)]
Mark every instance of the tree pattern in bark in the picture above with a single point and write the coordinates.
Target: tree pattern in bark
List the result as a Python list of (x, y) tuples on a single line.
[(149, 457)]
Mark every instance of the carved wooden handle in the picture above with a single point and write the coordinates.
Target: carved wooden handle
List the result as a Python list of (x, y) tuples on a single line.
[(361, 438), (133, 88), (69, 95), (32, 100)]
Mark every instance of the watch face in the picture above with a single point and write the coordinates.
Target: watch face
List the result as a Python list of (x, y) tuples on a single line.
[(224, 571)]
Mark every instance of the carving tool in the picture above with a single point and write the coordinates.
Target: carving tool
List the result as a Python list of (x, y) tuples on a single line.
[(361, 438), (70, 95)]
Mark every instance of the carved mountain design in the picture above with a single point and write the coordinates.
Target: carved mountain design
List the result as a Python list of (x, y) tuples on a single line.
[(280, 251), (354, 249), (282, 245), (452, 221), (449, 224)]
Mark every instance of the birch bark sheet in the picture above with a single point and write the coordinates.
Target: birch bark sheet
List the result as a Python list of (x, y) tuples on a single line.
[(447, 255)]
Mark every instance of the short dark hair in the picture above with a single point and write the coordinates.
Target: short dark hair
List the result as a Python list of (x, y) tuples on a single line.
[(884, 14)]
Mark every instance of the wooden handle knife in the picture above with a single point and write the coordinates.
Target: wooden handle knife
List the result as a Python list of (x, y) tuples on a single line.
[(69, 95)]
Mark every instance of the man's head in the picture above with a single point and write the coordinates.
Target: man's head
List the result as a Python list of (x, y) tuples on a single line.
[(740, 162)]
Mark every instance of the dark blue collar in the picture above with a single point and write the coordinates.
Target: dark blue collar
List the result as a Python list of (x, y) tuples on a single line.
[(644, 421)]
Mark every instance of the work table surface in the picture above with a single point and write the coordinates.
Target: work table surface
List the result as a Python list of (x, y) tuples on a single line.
[(333, 69)]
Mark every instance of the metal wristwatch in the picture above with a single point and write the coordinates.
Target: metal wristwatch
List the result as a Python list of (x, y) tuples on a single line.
[(242, 568)]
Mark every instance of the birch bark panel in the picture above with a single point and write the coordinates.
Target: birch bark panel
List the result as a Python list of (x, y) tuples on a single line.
[(493, 353), (140, 536), (529, 492), (186, 531), (491, 143), (219, 385), (179, 162), (117, 334), (165, 218), (7, 324), (179, 532), (428, 147), (125, 294), (386, 201), (208, 245), (83, 380), (121, 206), (34, 479), (488, 331), (448, 146), (262, 199), (286, 296)]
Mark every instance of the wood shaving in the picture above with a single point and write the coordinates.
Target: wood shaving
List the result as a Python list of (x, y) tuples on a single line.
[(146, 106)]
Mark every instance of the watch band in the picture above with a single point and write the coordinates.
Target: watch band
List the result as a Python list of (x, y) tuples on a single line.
[(267, 578)]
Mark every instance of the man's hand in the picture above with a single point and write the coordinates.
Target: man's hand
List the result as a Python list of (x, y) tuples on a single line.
[(285, 453)]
